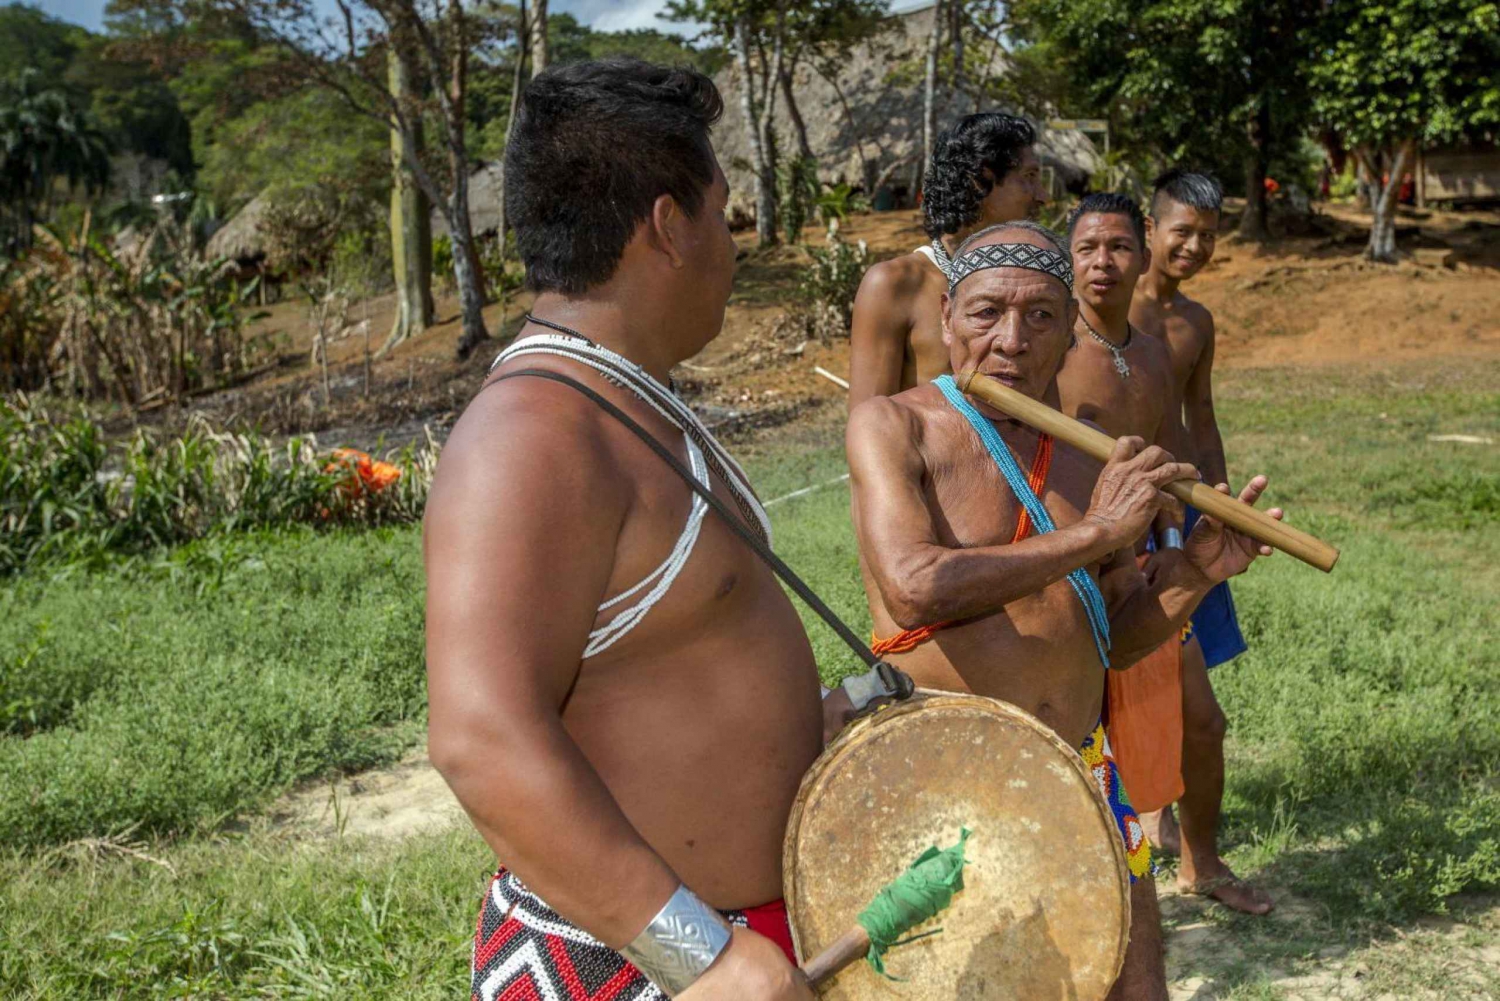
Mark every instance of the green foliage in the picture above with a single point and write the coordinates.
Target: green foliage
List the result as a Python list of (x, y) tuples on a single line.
[(66, 495), (206, 680), (797, 189), (831, 282), (1182, 80), (1409, 69), (157, 319), (30, 38), (45, 140), (248, 917), (839, 201)]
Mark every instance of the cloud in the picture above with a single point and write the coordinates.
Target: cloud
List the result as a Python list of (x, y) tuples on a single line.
[(622, 15)]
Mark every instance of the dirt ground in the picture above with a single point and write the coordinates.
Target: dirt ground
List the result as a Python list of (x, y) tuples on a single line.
[(1211, 953), (1304, 302)]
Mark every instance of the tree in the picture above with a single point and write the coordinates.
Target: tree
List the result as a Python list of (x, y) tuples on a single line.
[(539, 49), (411, 228), (929, 88), (45, 140), (1188, 80), (1398, 74), (755, 31), (345, 53)]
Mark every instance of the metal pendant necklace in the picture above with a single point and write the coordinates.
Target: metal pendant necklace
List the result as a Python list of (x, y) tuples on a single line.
[(1117, 350)]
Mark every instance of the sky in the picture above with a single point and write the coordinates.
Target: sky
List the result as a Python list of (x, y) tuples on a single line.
[(603, 15)]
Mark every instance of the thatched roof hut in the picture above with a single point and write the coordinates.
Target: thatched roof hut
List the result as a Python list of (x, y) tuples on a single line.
[(241, 239), (868, 129), (484, 202)]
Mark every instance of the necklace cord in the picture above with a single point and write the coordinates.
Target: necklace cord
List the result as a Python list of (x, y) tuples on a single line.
[(735, 524)]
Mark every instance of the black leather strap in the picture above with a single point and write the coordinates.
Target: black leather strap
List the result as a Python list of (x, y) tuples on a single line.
[(894, 680)]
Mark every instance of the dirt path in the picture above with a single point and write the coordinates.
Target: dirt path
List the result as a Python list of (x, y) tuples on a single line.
[(1211, 953)]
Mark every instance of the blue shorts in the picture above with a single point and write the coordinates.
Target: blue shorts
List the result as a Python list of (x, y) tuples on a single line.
[(1214, 622)]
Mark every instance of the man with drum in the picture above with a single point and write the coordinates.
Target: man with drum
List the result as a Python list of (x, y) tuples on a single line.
[(621, 695), (1024, 587)]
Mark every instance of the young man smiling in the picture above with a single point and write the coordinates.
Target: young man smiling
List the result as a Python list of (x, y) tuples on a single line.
[(1183, 231)]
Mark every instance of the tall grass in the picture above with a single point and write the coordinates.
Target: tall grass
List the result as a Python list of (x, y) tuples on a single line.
[(66, 494), (177, 693)]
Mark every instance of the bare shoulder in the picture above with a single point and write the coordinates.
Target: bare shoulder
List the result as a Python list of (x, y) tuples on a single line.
[(1197, 314), (895, 279), (881, 419), (524, 431)]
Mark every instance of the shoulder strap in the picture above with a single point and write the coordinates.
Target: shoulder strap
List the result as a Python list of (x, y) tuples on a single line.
[(894, 679)]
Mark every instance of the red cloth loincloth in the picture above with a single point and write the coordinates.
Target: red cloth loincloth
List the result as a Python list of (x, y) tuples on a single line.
[(908, 640), (526, 951)]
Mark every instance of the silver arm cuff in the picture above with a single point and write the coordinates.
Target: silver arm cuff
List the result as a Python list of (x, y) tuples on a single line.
[(1171, 538), (680, 943)]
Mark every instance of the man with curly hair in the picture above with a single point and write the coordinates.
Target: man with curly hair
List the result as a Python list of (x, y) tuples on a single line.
[(984, 171)]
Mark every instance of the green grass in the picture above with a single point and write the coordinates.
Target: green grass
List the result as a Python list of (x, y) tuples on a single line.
[(1364, 754), (175, 695)]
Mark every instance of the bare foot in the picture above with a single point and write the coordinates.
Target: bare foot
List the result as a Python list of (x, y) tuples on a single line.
[(1161, 828), (1231, 891)]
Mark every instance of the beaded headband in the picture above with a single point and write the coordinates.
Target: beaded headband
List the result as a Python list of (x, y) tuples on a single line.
[(1011, 255)]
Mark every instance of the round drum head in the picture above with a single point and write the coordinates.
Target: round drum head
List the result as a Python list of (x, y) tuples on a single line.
[(1045, 909)]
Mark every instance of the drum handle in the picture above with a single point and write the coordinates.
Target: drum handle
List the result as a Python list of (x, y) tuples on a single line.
[(850, 948)]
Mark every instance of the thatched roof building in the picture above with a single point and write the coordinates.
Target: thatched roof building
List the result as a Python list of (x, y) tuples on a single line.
[(484, 202), (868, 128), (241, 239)]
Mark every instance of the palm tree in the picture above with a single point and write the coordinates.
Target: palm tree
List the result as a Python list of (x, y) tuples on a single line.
[(44, 140)]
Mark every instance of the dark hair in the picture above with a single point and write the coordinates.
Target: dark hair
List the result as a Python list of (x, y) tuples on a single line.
[(1026, 224), (1110, 203), (593, 146), (1192, 188), (956, 183)]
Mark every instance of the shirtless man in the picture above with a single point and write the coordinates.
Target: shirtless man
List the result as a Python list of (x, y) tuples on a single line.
[(621, 695), (983, 172), (1024, 610), (1182, 232), (1110, 376)]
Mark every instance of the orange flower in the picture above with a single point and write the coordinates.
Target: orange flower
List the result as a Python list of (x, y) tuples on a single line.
[(368, 475)]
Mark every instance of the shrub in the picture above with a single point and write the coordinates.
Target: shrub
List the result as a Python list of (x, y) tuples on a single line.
[(64, 494), (155, 320), (831, 283)]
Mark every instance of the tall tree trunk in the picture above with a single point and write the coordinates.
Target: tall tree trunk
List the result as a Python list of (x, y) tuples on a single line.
[(804, 148), (539, 51), (517, 79), (411, 225), (467, 271), (765, 171), (956, 33), (929, 92), (1253, 223), (1382, 245)]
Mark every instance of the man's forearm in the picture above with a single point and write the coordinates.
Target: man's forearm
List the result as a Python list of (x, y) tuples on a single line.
[(1208, 448), (940, 584), (1157, 610), (549, 817)]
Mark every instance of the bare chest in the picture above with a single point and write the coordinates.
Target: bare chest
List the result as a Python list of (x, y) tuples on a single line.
[(1094, 389)]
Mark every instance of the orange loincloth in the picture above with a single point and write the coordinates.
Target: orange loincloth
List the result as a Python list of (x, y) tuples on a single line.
[(1145, 725)]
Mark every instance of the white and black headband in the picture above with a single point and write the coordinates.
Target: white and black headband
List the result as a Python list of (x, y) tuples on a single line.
[(1011, 255)]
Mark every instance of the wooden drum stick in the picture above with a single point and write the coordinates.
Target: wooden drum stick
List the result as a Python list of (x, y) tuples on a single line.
[(1230, 510)]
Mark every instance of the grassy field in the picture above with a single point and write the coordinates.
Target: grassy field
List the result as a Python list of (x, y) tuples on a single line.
[(1364, 776)]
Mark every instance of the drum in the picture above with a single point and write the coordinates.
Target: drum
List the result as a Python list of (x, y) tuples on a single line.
[(1045, 909)]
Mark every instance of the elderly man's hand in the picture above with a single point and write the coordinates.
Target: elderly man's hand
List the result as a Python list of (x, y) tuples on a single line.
[(1128, 494), (1218, 552)]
